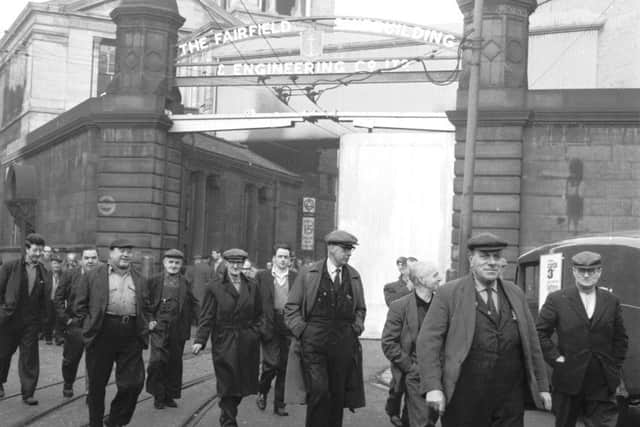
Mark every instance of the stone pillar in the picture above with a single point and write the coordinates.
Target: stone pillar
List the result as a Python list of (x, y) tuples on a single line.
[(501, 122), (200, 214), (139, 169)]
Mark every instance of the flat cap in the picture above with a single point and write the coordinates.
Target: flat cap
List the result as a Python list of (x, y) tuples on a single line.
[(120, 243), (487, 242), (174, 253), (587, 259), (341, 237), (237, 255), (401, 260)]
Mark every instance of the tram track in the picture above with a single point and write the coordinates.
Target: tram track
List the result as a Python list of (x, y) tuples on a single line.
[(68, 402)]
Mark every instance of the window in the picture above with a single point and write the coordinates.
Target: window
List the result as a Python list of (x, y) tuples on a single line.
[(106, 52), (285, 7)]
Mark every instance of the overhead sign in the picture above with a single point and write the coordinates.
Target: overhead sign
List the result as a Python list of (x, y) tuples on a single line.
[(550, 276), (106, 205), (211, 39), (308, 233)]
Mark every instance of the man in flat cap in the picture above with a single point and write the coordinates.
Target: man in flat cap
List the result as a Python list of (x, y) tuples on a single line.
[(590, 349), (232, 316), (173, 309), (23, 306), (113, 302), (478, 351), (325, 313)]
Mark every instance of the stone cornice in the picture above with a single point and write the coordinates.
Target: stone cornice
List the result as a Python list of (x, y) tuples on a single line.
[(631, 118), (492, 118)]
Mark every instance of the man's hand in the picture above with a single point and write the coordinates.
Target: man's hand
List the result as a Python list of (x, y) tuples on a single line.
[(435, 399), (560, 359), (69, 321), (196, 348), (546, 399), (152, 325)]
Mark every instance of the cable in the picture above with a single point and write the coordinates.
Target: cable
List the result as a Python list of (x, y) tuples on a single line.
[(569, 46)]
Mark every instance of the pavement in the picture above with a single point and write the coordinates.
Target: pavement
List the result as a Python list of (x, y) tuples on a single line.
[(376, 376)]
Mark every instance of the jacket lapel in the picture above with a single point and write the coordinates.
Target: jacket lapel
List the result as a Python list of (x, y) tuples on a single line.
[(229, 288), (412, 317), (314, 283), (573, 297), (600, 308), (468, 311)]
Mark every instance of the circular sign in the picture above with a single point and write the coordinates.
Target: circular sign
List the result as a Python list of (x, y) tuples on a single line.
[(106, 205)]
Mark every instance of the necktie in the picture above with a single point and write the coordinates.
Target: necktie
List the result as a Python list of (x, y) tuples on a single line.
[(492, 307), (336, 278)]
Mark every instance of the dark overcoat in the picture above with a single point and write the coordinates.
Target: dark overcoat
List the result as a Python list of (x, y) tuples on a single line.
[(302, 297), (399, 334), (188, 307), (233, 321), (65, 295), (447, 333), (394, 290), (13, 275), (264, 278), (580, 339), (92, 298)]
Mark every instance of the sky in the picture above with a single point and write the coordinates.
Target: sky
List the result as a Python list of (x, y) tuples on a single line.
[(416, 11)]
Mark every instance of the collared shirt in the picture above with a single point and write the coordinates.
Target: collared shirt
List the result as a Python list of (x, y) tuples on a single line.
[(32, 272), (482, 290), (280, 288), (589, 302), (122, 293), (333, 270)]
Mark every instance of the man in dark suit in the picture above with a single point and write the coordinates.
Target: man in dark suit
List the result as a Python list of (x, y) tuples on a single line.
[(23, 307), (591, 346), (478, 351), (325, 312), (276, 338), (399, 335), (113, 302), (393, 291), (64, 301), (231, 317), (52, 328)]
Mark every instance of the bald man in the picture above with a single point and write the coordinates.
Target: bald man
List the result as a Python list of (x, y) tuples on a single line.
[(399, 336)]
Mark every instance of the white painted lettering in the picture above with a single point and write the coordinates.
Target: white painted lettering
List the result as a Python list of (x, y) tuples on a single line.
[(360, 66), (417, 33), (183, 48), (237, 69), (204, 43), (252, 30), (436, 37), (326, 67), (247, 69), (260, 68), (227, 37), (288, 68), (297, 67), (339, 67), (217, 38), (242, 33), (308, 67), (194, 46), (449, 40), (285, 26), (371, 65), (220, 70)]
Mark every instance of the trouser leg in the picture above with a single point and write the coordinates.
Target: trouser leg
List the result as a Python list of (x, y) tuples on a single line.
[(72, 354), (158, 364), (229, 410), (314, 364), (394, 399), (341, 363), (414, 401), (29, 360), (284, 341), (174, 382), (601, 413), (129, 380), (9, 341), (269, 365), (566, 409), (100, 357), (47, 327)]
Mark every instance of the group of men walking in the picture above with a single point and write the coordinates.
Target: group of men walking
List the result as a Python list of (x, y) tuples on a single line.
[(470, 352)]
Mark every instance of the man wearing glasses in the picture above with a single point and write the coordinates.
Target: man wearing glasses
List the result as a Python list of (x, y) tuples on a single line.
[(591, 346), (325, 313)]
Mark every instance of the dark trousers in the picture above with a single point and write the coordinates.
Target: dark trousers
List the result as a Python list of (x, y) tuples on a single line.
[(24, 337), (52, 328), (327, 360), (420, 414), (394, 401), (274, 360), (229, 410), (164, 374), (116, 343), (595, 413), (72, 353)]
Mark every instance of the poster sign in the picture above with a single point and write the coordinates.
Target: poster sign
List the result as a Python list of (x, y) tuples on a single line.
[(308, 205), (308, 233), (550, 276)]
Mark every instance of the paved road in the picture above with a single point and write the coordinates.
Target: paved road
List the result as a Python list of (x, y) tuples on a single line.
[(76, 414)]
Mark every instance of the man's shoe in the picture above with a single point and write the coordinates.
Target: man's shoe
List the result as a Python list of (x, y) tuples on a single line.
[(171, 403), (67, 390), (158, 404), (108, 423), (30, 401), (261, 401), (280, 411), (396, 421), (1, 391)]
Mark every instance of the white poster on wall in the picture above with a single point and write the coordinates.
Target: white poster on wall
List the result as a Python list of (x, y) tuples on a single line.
[(550, 276)]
